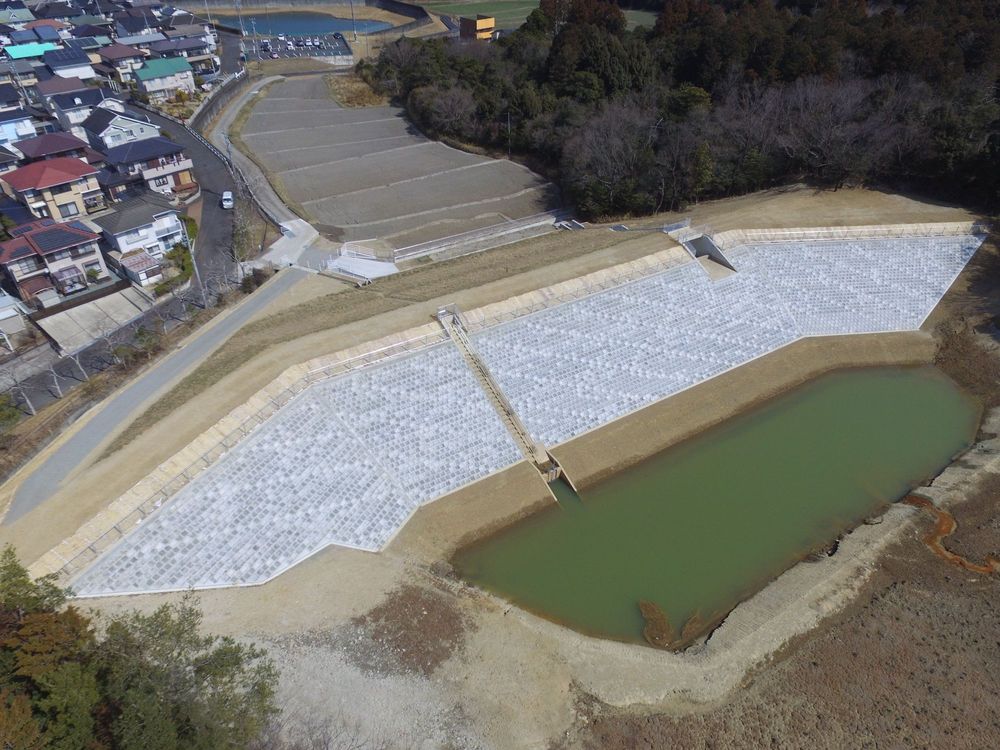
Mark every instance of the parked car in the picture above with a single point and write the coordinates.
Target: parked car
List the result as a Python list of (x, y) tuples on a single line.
[(227, 201), (290, 46), (339, 36), (299, 43), (281, 37), (315, 41), (309, 42), (275, 55)]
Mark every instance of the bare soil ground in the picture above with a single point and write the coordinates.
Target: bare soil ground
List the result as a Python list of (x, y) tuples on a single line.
[(913, 663), (413, 631)]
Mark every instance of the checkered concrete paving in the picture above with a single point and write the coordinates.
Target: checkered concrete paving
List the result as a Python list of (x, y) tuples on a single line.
[(350, 459)]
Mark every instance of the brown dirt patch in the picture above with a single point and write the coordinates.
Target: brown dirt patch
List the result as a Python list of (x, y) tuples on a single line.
[(914, 663), (350, 91), (414, 630)]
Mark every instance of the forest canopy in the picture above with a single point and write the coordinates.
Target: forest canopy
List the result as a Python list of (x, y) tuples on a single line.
[(722, 98)]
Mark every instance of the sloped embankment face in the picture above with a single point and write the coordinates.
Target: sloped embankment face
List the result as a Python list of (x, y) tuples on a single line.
[(368, 173)]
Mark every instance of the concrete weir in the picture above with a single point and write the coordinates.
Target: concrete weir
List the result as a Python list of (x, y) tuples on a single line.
[(344, 449)]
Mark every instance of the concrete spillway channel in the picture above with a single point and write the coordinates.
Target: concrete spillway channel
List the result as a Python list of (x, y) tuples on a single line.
[(450, 318)]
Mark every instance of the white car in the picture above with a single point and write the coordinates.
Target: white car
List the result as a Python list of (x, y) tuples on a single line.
[(309, 42), (281, 37), (227, 200), (290, 46)]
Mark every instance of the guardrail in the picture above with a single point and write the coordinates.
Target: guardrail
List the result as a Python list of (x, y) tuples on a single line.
[(509, 227), (92, 549)]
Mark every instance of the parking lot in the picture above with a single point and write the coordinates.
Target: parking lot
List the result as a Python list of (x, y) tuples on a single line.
[(368, 173), (329, 46)]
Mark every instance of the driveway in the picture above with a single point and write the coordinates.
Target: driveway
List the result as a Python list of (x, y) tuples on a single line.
[(120, 409)]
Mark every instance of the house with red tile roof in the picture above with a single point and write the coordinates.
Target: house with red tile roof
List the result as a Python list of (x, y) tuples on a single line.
[(47, 260), (62, 188)]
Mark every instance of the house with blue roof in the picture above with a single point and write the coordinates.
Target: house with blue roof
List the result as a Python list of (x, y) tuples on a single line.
[(29, 51)]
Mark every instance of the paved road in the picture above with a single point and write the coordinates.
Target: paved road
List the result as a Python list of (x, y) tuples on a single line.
[(213, 248), (45, 481)]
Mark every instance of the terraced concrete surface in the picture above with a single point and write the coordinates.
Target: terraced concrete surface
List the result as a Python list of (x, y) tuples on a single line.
[(350, 459), (368, 173)]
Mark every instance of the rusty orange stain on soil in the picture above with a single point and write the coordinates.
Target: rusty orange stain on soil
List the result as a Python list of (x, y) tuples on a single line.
[(945, 526)]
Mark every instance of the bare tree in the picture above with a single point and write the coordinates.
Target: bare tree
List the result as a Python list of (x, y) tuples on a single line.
[(75, 359), (55, 380), (18, 385)]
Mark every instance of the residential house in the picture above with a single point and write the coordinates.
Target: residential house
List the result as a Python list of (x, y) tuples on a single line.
[(146, 221), (62, 188), (160, 163), (141, 41), (164, 78), (16, 125), (46, 260), (147, 23), (69, 63), (59, 11), (106, 128), (59, 85), (24, 74), (71, 109), (121, 60), (29, 51), (9, 161), (10, 98), (192, 49), (193, 31), (14, 12), (55, 145)]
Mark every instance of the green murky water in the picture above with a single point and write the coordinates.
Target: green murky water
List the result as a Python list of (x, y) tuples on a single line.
[(703, 525)]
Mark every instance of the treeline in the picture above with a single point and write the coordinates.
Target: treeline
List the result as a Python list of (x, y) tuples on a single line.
[(139, 682), (721, 98)]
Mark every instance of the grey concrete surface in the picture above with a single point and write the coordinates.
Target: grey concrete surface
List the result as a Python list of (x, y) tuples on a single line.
[(124, 406)]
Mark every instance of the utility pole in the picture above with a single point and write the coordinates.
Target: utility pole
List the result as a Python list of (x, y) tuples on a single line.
[(256, 42), (194, 264), (508, 134), (354, 22)]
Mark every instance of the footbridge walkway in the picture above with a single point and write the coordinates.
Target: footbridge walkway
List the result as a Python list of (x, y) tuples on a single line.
[(451, 321)]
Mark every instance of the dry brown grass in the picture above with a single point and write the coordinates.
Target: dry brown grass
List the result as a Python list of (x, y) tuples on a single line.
[(349, 90)]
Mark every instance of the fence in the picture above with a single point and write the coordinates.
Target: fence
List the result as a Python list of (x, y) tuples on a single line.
[(495, 230), (735, 237), (95, 537)]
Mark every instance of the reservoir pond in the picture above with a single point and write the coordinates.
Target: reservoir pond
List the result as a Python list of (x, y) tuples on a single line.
[(705, 524)]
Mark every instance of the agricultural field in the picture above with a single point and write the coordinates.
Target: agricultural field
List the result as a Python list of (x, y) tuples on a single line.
[(511, 13)]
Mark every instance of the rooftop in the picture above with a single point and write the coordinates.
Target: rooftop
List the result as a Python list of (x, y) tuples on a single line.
[(135, 212), (48, 144), (147, 148), (162, 67), (118, 51), (42, 237), (59, 85), (22, 51), (43, 174), (68, 57)]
